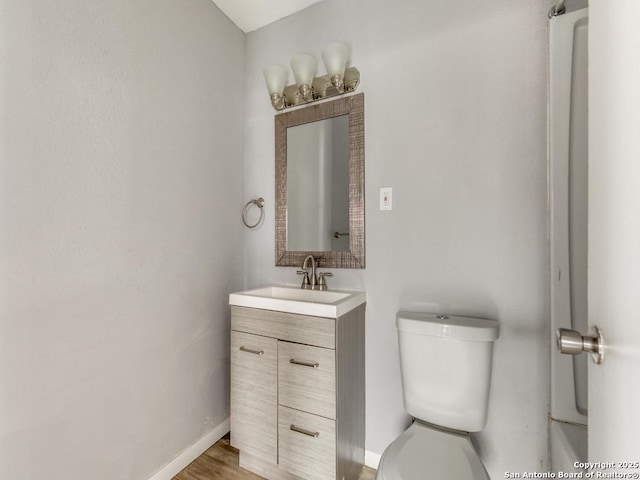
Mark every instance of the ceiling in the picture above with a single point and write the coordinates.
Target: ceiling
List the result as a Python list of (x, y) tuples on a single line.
[(250, 15)]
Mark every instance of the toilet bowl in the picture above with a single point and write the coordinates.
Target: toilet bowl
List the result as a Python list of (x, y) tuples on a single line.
[(424, 452), (445, 363)]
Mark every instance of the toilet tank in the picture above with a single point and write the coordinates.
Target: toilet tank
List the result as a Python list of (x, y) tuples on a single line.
[(446, 368)]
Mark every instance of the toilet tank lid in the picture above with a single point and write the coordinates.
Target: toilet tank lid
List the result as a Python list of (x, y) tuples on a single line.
[(440, 325)]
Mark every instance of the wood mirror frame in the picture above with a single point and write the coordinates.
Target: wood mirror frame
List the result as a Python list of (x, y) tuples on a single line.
[(355, 256)]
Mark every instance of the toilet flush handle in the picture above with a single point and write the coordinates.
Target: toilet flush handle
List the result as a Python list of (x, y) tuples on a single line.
[(573, 343)]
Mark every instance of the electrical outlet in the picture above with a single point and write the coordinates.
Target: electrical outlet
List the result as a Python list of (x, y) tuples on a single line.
[(386, 198)]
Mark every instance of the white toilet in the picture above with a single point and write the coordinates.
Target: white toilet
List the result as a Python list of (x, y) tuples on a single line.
[(446, 373)]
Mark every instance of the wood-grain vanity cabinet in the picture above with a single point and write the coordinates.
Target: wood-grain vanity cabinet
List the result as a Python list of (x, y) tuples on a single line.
[(297, 394)]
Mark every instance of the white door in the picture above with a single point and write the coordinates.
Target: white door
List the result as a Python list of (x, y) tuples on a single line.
[(614, 230)]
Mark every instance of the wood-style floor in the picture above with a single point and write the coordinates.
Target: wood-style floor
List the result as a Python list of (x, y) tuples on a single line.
[(220, 462)]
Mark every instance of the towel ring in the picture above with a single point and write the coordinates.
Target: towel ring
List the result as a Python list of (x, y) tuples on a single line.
[(259, 202)]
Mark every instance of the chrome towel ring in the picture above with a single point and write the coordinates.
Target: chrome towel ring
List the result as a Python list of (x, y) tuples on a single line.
[(259, 202)]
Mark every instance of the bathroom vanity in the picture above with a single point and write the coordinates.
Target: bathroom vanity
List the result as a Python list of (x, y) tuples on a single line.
[(297, 383)]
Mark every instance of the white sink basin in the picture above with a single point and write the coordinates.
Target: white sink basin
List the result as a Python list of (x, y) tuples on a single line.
[(328, 303)]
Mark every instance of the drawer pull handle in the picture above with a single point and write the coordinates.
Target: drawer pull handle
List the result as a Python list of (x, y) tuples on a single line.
[(304, 364), (304, 432), (255, 352)]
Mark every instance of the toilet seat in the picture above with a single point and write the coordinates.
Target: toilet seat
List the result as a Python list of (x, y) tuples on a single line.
[(424, 453)]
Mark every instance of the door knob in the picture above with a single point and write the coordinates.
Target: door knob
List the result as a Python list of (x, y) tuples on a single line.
[(573, 343)]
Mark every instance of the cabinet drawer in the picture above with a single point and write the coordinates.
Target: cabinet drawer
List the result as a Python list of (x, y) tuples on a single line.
[(317, 331), (254, 395), (307, 378), (306, 444)]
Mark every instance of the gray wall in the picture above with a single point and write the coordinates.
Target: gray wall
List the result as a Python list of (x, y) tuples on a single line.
[(455, 121), (120, 237)]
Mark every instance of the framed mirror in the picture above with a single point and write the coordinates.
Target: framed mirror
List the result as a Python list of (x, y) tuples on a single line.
[(320, 184)]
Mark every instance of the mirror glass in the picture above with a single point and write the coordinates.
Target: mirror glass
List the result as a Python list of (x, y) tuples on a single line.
[(320, 184)]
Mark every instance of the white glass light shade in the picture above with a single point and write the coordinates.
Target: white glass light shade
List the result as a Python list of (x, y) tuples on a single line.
[(335, 57), (276, 77), (304, 69)]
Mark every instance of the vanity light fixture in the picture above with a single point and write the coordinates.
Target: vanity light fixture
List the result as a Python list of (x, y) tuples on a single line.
[(308, 88)]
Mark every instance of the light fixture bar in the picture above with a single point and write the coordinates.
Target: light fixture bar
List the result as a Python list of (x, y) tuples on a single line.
[(322, 88), (309, 88)]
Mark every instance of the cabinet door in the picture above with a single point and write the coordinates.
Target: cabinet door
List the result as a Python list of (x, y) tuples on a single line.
[(307, 444), (307, 378), (254, 395)]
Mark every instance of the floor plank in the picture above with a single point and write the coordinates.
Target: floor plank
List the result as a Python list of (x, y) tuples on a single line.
[(220, 462)]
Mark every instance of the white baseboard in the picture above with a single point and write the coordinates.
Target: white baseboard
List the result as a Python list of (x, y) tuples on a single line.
[(371, 459), (178, 464)]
